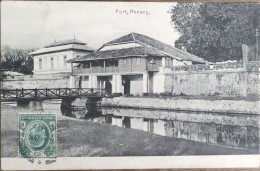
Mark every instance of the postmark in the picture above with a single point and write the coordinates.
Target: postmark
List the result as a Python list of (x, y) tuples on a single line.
[(37, 135)]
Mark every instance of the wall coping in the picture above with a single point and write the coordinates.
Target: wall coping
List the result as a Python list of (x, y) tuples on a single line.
[(226, 67)]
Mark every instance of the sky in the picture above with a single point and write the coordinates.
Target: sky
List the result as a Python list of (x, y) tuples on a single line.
[(28, 24)]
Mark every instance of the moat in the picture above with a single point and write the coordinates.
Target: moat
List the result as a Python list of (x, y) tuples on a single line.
[(225, 129)]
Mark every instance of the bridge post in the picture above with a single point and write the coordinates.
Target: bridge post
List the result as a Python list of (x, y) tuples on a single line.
[(22, 93), (35, 92), (66, 91), (23, 103), (59, 91), (3, 93), (46, 92), (16, 93)]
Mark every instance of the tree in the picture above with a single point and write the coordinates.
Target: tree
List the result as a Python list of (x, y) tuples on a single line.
[(17, 60), (215, 31)]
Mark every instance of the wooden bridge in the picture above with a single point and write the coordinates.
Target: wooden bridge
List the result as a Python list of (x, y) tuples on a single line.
[(50, 93)]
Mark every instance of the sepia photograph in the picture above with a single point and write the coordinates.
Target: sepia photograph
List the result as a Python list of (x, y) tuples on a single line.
[(126, 85)]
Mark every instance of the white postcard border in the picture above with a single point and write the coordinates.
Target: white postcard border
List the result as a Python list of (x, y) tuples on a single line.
[(152, 162)]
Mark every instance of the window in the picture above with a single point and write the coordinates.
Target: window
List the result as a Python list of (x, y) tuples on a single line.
[(64, 60), (111, 63), (138, 60), (86, 65), (115, 62), (52, 65), (40, 64)]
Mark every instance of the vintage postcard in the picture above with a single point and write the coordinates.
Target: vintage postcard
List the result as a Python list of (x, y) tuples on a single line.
[(129, 85)]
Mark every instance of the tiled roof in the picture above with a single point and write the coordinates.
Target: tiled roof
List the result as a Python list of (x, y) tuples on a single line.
[(166, 49), (133, 51), (126, 38), (63, 47), (65, 42)]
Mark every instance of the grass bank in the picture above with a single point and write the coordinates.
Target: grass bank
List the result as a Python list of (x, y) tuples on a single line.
[(77, 138)]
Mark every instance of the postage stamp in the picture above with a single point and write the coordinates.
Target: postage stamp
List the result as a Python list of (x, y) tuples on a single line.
[(37, 135)]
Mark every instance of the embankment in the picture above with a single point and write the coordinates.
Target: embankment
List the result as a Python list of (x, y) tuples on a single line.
[(172, 103)]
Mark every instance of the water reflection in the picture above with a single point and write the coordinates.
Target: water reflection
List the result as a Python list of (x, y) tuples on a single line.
[(239, 134)]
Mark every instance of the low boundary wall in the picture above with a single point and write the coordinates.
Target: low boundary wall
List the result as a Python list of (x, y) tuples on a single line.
[(36, 81)]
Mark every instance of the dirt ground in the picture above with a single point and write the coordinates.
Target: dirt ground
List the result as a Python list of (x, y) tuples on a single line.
[(77, 138)]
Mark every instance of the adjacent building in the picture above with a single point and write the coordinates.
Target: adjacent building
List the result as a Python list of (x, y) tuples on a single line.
[(131, 64), (52, 58)]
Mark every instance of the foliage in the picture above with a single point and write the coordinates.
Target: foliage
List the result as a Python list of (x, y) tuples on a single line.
[(215, 31), (17, 60)]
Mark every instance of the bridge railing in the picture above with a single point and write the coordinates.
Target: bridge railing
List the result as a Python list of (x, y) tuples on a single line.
[(52, 93)]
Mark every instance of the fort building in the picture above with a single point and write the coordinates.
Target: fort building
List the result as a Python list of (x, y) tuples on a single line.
[(131, 64), (52, 58)]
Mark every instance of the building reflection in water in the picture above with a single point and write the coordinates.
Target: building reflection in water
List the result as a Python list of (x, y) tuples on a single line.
[(243, 135), (239, 130)]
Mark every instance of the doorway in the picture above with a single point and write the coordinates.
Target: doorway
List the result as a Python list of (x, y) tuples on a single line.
[(80, 81), (127, 86), (108, 87)]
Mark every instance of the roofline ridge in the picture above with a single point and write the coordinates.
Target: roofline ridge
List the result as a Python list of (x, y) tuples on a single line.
[(65, 42), (111, 44), (99, 48), (160, 51)]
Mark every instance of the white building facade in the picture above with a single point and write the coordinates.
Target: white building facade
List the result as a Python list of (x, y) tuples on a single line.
[(52, 58)]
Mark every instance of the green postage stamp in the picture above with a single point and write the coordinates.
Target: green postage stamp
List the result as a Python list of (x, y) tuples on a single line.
[(37, 135)]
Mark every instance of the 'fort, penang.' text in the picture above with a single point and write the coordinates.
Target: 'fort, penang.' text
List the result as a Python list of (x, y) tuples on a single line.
[(132, 11)]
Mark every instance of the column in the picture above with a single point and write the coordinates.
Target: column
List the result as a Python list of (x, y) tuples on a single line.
[(94, 81), (90, 81), (113, 121), (145, 125), (119, 84), (119, 122), (72, 82), (100, 84), (104, 84), (163, 62), (114, 90), (145, 84), (245, 55), (36, 64)]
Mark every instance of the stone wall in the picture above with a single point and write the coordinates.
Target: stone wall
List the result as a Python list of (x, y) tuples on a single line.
[(186, 116), (177, 103), (230, 84), (228, 80), (36, 81)]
